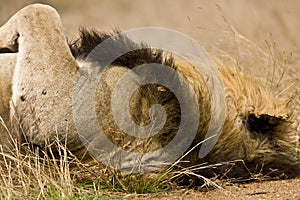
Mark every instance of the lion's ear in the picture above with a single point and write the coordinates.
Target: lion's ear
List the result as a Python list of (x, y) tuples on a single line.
[(264, 123), (6, 50)]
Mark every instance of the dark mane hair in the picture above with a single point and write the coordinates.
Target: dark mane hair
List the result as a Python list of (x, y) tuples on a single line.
[(6, 50), (89, 39)]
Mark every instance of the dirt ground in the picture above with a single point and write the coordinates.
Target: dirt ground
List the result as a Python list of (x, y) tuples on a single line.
[(215, 25), (284, 189)]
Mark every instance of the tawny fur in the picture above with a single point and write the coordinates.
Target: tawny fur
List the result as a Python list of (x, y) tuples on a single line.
[(257, 128), (7, 65)]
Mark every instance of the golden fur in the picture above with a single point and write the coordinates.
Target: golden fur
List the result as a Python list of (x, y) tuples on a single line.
[(7, 63)]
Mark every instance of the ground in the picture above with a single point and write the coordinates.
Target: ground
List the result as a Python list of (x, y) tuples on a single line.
[(271, 28), (283, 189)]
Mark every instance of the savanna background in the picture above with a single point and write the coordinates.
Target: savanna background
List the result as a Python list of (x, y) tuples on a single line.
[(261, 37)]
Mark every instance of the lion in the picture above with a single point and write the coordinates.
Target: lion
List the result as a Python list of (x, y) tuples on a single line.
[(40, 104)]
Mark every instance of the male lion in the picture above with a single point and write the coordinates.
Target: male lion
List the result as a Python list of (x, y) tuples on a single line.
[(257, 127)]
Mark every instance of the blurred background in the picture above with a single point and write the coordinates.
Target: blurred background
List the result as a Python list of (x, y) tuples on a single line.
[(201, 19)]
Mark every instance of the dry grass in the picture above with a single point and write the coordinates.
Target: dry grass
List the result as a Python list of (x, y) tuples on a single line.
[(35, 173)]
